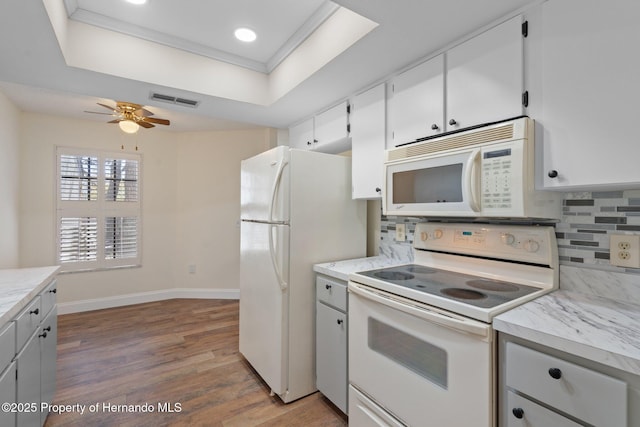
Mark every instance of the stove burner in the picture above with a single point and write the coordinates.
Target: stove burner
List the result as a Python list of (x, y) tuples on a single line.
[(491, 285), (463, 293), (420, 269), (393, 275)]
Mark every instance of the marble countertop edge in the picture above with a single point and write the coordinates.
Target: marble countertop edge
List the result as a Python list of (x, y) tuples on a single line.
[(19, 286)]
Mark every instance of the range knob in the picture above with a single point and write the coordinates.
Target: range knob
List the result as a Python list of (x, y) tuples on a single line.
[(507, 238), (437, 233), (531, 246), (424, 236)]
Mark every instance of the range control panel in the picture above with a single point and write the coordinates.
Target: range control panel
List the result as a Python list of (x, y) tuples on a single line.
[(533, 244)]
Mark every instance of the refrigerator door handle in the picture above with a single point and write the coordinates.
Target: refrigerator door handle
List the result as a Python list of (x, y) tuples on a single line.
[(274, 261), (276, 187)]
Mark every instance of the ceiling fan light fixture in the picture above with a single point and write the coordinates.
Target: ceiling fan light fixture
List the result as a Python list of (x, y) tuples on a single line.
[(129, 126), (245, 34)]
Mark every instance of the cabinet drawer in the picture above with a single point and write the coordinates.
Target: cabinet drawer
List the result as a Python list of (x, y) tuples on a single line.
[(7, 344), (585, 394), (27, 322), (48, 297), (332, 292), (532, 414)]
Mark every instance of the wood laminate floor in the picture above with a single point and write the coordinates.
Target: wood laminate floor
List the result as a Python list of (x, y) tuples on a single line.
[(176, 354)]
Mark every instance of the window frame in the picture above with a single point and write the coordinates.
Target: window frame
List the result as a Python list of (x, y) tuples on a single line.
[(101, 209)]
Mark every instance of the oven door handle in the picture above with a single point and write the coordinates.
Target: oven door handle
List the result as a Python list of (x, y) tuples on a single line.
[(422, 311)]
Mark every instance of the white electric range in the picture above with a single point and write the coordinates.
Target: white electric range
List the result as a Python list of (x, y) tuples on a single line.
[(421, 345)]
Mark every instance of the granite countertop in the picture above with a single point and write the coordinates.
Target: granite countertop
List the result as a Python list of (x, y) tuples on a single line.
[(599, 329), (396, 255), (19, 286)]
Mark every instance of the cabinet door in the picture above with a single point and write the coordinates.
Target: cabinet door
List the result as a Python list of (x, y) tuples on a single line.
[(331, 125), (368, 143), (485, 77), (521, 412), (8, 394), (301, 135), (416, 104), (28, 383), (331, 354), (49, 339), (590, 93)]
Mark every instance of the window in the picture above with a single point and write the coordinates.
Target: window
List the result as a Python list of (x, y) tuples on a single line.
[(98, 209)]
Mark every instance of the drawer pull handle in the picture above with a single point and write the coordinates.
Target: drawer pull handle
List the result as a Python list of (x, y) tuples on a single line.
[(36, 311), (518, 413), (43, 335), (47, 329), (53, 291), (327, 287), (340, 321), (555, 373)]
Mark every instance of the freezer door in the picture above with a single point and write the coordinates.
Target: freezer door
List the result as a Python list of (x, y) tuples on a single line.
[(264, 296), (264, 186)]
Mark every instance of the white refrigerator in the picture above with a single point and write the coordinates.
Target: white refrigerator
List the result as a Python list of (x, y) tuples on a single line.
[(296, 211)]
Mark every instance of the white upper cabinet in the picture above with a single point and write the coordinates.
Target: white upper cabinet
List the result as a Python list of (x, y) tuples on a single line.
[(478, 81), (485, 77), (332, 125), (326, 132), (416, 102), (590, 94), (368, 142), (301, 135)]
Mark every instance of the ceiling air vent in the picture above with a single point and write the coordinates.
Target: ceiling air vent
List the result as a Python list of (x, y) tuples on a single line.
[(174, 100)]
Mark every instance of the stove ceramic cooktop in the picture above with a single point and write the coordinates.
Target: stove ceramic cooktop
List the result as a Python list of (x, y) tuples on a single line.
[(464, 288)]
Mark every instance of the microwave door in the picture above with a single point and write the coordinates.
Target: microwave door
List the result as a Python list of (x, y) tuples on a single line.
[(433, 186)]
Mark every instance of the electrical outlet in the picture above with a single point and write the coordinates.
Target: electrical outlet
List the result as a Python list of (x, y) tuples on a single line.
[(401, 235), (624, 250)]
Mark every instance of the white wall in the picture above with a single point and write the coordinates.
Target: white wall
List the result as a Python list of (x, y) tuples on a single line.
[(208, 205), (190, 203), (9, 185)]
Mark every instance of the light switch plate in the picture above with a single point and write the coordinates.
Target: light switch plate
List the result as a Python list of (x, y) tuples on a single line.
[(624, 250), (401, 234)]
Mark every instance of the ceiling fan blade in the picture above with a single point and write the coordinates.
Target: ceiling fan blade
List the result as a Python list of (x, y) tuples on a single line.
[(115, 121), (145, 124), (96, 112), (107, 107), (157, 121), (143, 112)]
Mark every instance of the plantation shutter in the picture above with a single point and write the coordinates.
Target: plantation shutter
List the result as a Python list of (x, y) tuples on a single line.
[(98, 204)]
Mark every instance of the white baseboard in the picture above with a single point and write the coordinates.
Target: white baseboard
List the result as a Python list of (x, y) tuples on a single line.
[(142, 297)]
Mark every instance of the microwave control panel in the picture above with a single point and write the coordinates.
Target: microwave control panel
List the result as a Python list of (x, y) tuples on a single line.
[(497, 172)]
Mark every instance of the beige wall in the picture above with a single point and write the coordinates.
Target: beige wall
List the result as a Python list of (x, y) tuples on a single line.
[(9, 186), (190, 204)]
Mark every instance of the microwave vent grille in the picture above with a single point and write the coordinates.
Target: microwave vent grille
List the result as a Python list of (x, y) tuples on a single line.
[(453, 142)]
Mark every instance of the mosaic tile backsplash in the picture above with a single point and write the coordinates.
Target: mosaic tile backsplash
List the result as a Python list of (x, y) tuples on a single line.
[(583, 233)]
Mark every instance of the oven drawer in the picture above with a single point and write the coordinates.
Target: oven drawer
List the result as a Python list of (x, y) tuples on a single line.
[(332, 292), (363, 412), (588, 395), (524, 413)]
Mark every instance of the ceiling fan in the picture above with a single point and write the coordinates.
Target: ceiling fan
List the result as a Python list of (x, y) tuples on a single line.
[(130, 116)]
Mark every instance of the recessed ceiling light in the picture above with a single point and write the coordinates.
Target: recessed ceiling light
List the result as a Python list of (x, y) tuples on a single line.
[(137, 1), (245, 34)]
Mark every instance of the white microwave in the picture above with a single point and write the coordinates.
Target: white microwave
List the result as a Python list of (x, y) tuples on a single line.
[(486, 172)]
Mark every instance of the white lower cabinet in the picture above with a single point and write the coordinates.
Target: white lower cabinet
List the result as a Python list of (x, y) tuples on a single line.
[(364, 413), (523, 412), (28, 349), (8, 394), (543, 390), (331, 340), (28, 382)]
